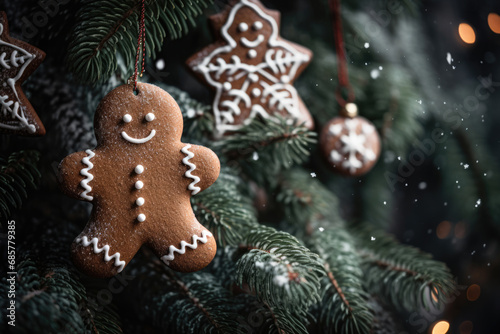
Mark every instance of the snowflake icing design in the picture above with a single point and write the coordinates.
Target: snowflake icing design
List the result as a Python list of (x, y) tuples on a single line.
[(266, 86), (352, 144)]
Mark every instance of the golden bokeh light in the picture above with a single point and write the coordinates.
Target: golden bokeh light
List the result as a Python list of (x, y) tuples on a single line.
[(465, 327), (494, 22), (441, 327), (466, 33), (473, 292), (443, 229)]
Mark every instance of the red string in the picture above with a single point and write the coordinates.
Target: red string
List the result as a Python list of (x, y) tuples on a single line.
[(141, 39), (341, 55)]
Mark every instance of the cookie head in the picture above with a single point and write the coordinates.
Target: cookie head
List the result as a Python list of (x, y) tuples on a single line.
[(249, 26), (138, 118)]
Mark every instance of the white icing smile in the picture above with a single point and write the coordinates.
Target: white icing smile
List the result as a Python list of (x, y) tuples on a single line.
[(252, 44), (138, 140)]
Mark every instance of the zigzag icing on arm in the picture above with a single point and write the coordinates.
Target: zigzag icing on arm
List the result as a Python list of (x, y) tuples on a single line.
[(189, 155), (85, 242), (88, 177), (172, 249)]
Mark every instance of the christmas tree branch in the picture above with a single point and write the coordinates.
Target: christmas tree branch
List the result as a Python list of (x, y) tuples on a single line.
[(404, 275), (17, 172), (195, 303), (274, 144), (279, 270), (225, 210), (343, 306), (305, 200), (106, 30)]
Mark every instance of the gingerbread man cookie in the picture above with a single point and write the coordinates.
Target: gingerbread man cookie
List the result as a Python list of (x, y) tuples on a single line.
[(251, 68), (17, 61), (140, 178)]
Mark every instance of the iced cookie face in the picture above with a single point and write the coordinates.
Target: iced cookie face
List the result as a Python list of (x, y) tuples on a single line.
[(139, 121), (249, 30)]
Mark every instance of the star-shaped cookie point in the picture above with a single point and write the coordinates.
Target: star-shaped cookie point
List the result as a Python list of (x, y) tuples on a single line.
[(251, 67), (140, 179), (18, 60)]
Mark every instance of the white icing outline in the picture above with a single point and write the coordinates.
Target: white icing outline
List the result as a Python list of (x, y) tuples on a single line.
[(138, 140), (85, 242), (88, 176), (192, 167), (172, 249), (15, 109), (276, 62)]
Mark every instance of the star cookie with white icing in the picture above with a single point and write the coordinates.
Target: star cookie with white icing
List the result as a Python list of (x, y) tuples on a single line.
[(251, 68), (140, 179), (17, 61), (350, 143)]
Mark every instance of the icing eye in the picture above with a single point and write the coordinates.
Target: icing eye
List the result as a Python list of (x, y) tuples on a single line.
[(242, 27), (257, 25), (149, 117), (127, 118)]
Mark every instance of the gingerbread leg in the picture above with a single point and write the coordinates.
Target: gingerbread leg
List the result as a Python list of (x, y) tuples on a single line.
[(186, 250), (95, 250)]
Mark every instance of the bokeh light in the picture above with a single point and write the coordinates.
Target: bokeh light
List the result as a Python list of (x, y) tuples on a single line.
[(465, 327), (494, 22), (473, 292), (443, 229), (441, 327), (466, 33)]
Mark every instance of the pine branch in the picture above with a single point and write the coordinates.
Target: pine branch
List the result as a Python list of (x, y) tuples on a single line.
[(225, 210), (343, 306), (279, 270), (305, 200), (108, 29), (190, 303), (274, 144), (17, 173), (50, 297), (407, 277), (282, 321)]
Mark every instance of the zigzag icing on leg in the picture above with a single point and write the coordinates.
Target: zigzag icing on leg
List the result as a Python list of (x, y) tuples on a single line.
[(172, 249), (85, 242), (192, 167), (88, 177)]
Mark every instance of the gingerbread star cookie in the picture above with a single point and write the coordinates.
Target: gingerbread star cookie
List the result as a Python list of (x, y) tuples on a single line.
[(140, 178), (251, 68), (17, 61)]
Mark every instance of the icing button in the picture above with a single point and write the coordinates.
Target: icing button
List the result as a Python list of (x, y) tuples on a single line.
[(139, 185), (140, 201), (139, 169), (141, 217)]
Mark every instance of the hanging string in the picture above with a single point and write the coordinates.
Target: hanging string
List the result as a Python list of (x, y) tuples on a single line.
[(141, 40), (341, 55)]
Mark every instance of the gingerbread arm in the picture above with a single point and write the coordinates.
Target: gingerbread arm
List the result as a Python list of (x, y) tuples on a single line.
[(203, 167), (75, 175)]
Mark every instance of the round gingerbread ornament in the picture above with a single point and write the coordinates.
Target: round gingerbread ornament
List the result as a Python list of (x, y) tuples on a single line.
[(140, 179), (350, 143)]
